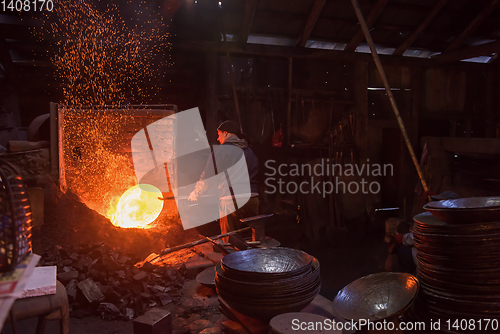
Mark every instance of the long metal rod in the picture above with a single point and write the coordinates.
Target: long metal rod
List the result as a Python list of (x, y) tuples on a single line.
[(198, 242), (381, 71)]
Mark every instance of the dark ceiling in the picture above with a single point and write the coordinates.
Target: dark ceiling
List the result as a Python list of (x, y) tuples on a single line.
[(418, 32), (414, 28)]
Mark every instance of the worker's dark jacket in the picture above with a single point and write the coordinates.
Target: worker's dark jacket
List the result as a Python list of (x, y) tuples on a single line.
[(229, 164)]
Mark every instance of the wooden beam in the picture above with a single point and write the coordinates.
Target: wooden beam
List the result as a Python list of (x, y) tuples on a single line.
[(275, 51), (489, 130), (370, 20), (485, 49), (494, 59), (311, 22), (417, 31), (19, 20), (250, 6), (473, 25)]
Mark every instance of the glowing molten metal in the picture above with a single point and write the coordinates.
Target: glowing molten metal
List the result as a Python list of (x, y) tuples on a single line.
[(137, 207)]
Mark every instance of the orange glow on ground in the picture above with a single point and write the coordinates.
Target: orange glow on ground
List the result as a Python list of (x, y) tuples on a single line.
[(137, 207)]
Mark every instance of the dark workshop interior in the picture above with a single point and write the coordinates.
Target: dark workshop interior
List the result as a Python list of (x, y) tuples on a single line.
[(374, 125)]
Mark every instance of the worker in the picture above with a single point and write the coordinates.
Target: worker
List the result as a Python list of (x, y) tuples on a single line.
[(226, 156), (406, 252)]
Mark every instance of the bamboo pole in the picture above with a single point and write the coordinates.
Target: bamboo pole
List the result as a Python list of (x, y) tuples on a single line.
[(381, 71)]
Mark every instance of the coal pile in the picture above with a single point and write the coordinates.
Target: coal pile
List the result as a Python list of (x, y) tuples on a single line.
[(108, 281), (69, 222)]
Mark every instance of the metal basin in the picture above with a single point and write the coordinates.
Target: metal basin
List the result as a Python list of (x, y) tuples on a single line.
[(266, 263), (467, 203), (282, 286), (466, 210), (465, 216), (262, 283), (376, 297)]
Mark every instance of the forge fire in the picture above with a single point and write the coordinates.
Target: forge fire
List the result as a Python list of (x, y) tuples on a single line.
[(137, 207)]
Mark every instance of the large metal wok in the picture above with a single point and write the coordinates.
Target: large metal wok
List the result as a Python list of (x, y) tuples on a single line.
[(263, 283), (376, 297), (466, 210)]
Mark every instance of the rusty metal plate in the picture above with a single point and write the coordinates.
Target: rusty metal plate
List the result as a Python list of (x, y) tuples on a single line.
[(207, 277)]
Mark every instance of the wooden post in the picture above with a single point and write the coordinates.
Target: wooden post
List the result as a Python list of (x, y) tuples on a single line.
[(361, 103), (388, 91), (233, 84), (490, 92), (54, 140), (468, 128), (417, 31), (211, 64), (453, 128), (416, 96), (289, 105), (60, 156)]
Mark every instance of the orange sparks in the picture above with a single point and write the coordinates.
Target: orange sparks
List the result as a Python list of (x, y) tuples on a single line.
[(102, 59), (103, 55)]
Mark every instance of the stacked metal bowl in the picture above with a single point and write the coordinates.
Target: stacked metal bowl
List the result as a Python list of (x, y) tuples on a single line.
[(459, 260), (264, 282), (466, 210)]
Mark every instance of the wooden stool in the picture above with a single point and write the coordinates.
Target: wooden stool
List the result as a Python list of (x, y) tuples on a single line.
[(48, 307)]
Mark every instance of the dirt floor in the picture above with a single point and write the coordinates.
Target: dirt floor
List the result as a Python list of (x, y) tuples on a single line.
[(68, 223)]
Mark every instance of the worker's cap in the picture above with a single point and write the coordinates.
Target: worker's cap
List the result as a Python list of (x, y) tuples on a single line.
[(445, 195), (229, 126)]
